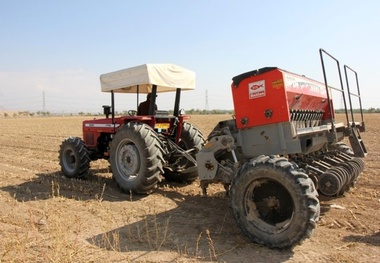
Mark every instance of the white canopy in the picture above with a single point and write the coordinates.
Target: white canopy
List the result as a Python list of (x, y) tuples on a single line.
[(167, 77)]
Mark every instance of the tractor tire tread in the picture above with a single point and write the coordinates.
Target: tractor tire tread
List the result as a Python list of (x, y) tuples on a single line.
[(77, 146), (150, 150), (304, 191)]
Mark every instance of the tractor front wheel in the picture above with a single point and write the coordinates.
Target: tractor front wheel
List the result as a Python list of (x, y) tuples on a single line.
[(136, 158), (74, 158), (274, 203)]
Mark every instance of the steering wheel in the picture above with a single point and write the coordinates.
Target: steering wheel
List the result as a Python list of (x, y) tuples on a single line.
[(132, 113)]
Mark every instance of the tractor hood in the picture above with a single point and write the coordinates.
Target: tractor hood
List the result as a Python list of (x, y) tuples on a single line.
[(140, 79)]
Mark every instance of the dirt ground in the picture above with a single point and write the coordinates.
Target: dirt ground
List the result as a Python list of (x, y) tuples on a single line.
[(45, 217)]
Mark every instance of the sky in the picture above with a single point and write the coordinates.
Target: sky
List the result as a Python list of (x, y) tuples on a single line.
[(53, 52)]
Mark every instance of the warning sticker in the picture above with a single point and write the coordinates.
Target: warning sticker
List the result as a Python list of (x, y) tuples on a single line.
[(256, 89), (277, 83)]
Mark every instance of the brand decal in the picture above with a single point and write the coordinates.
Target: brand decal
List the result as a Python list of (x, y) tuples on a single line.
[(296, 83), (256, 89)]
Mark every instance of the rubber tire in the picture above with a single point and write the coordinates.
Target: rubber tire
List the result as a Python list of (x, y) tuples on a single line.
[(74, 158), (136, 158), (191, 137), (288, 179)]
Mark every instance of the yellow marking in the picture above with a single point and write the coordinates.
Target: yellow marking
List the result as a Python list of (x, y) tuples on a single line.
[(162, 126), (277, 83)]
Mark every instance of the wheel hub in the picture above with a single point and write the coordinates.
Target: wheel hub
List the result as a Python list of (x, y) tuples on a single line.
[(268, 205), (272, 202), (129, 160), (69, 160)]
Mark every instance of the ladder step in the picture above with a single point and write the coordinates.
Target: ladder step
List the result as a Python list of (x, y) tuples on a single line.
[(357, 143)]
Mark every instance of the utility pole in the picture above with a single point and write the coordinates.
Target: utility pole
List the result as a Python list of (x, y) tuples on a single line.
[(206, 102), (43, 103)]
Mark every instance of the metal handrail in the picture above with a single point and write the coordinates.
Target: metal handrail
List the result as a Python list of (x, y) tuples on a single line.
[(328, 88), (350, 94)]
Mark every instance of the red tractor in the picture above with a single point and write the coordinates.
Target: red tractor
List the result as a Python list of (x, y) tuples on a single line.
[(140, 148)]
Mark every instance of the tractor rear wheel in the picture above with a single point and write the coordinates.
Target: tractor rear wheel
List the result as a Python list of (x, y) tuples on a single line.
[(74, 158), (191, 137), (274, 203), (136, 158)]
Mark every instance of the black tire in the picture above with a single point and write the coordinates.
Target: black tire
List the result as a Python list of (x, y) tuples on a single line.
[(136, 158), (274, 203), (74, 158), (191, 137)]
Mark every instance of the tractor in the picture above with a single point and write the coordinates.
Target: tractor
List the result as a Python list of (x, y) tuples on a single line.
[(140, 149), (280, 150)]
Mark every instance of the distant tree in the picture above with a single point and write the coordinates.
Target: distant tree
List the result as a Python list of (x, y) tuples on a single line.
[(23, 113), (371, 110)]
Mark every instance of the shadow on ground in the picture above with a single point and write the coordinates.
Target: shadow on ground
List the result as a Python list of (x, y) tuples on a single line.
[(199, 228), (373, 239), (98, 185)]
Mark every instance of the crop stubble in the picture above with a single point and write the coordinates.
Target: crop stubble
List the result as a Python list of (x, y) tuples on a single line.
[(47, 217)]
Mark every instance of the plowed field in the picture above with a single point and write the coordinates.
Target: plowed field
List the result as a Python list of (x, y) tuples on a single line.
[(46, 217)]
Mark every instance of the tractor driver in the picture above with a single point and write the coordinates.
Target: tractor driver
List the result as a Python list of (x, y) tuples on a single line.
[(143, 108)]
